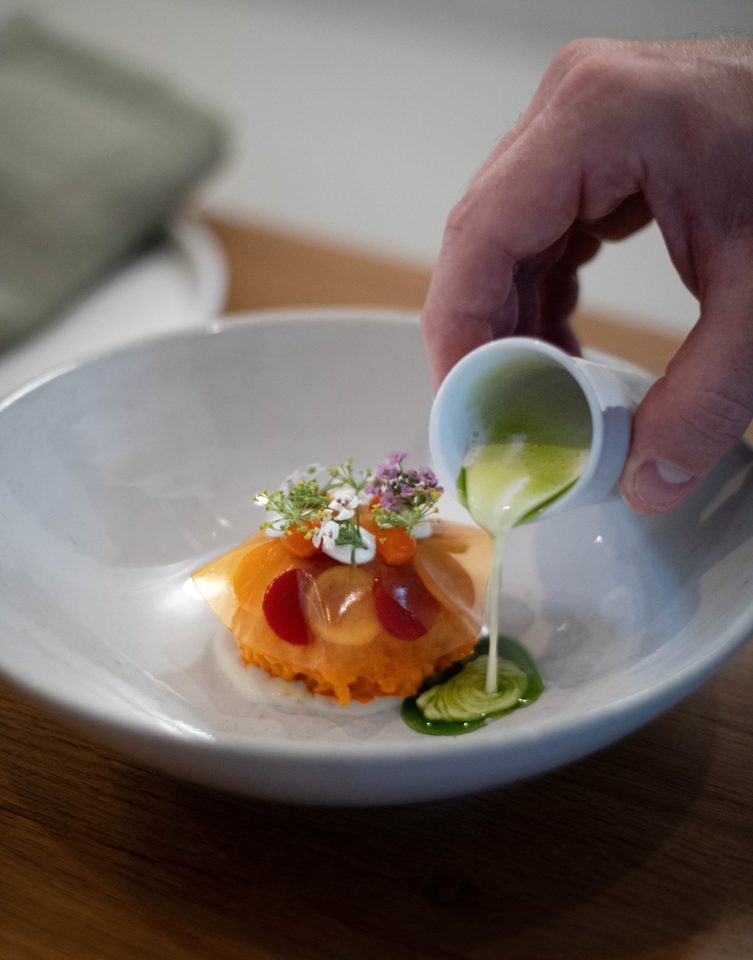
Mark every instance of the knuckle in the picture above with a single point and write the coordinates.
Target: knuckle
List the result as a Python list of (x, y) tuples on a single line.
[(604, 72), (473, 219), (457, 218), (572, 53)]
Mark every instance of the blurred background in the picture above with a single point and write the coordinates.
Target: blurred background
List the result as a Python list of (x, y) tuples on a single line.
[(360, 123)]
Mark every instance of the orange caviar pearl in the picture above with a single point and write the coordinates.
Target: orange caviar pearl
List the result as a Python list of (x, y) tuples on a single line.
[(395, 545), (296, 541)]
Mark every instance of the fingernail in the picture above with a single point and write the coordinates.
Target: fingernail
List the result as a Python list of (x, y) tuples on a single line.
[(659, 484)]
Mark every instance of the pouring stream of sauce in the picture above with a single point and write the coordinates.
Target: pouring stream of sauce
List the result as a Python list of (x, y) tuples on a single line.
[(533, 446)]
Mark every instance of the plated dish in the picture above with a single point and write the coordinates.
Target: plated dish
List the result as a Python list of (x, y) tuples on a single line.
[(354, 589), (123, 476), (351, 599)]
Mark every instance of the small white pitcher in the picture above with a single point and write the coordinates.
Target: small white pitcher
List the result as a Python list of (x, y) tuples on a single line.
[(612, 390)]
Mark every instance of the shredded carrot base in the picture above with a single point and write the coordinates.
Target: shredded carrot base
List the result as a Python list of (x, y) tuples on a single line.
[(361, 689)]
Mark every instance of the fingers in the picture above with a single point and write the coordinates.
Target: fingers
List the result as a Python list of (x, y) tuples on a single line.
[(470, 286), (558, 285), (566, 59), (603, 145), (503, 220), (630, 216), (559, 289), (574, 159), (704, 403)]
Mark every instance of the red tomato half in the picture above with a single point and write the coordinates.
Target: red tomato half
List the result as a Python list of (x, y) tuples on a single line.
[(283, 606), (404, 606)]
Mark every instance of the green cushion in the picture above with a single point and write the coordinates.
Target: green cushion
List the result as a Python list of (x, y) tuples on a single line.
[(94, 157)]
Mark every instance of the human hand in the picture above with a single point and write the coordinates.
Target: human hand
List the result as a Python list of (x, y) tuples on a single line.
[(618, 133)]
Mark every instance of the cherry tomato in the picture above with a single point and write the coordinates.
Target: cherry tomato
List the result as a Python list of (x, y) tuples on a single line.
[(283, 606), (296, 541), (403, 605), (395, 545), (340, 606)]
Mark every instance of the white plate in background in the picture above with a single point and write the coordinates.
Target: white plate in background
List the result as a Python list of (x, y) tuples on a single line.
[(176, 284)]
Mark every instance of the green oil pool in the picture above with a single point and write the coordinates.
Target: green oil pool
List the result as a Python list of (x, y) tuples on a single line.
[(521, 684)]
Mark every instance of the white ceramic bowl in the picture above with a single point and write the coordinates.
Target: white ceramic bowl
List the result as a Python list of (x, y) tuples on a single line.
[(121, 476)]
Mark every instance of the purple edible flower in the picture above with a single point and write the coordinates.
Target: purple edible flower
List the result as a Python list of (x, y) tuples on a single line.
[(427, 478), (387, 499), (399, 489)]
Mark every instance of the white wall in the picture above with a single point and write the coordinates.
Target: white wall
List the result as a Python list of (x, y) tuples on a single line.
[(364, 121)]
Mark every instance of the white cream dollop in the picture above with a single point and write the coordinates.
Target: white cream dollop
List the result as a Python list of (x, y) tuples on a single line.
[(347, 554)]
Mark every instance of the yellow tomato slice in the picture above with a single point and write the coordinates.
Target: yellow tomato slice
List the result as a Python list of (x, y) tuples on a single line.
[(340, 606), (258, 569)]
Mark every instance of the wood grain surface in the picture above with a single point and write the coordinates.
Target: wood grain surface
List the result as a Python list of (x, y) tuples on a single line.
[(644, 850)]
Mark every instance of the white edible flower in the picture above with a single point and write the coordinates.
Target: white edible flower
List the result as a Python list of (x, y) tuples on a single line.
[(344, 506), (355, 497), (342, 493), (261, 499), (326, 534)]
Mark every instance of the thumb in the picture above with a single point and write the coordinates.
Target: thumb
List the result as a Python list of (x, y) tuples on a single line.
[(699, 409)]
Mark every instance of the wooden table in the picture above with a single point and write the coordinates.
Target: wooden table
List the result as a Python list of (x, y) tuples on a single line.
[(642, 851)]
